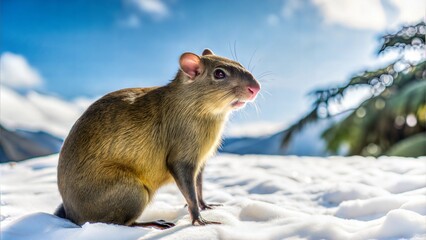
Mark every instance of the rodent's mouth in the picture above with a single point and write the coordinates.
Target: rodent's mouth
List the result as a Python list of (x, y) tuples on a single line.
[(238, 104)]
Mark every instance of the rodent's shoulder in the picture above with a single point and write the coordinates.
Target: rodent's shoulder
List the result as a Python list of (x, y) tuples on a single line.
[(126, 92), (128, 95)]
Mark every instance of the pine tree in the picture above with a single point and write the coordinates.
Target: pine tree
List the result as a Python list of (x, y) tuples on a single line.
[(393, 120)]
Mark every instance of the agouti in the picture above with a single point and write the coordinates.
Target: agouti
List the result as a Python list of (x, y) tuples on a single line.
[(131, 142)]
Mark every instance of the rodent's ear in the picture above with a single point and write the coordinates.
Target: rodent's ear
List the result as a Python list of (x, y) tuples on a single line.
[(207, 52), (190, 64)]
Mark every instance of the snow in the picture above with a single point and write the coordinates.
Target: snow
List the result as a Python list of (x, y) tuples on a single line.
[(263, 197), (253, 129)]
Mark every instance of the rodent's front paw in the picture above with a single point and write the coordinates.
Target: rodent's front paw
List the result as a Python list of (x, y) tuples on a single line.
[(205, 206), (201, 221)]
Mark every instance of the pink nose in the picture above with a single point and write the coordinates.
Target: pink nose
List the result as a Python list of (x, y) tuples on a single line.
[(253, 90)]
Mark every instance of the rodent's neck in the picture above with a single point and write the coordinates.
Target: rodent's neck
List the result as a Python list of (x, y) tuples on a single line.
[(186, 99)]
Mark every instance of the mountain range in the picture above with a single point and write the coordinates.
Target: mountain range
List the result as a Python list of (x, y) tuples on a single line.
[(33, 124)]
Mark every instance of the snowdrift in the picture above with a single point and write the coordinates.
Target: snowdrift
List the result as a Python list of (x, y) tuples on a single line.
[(263, 197)]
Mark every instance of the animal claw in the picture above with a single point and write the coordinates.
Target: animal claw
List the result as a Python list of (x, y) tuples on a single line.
[(205, 206), (201, 221)]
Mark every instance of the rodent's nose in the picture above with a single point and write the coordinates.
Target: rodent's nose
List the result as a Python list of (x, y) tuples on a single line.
[(253, 90)]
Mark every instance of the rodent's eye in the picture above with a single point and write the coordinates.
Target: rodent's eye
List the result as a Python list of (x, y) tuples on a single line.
[(219, 74)]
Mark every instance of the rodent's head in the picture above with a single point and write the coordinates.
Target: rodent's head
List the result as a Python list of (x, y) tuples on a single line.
[(218, 83)]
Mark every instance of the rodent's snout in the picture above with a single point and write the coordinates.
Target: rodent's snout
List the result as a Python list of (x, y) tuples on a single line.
[(250, 92), (253, 89)]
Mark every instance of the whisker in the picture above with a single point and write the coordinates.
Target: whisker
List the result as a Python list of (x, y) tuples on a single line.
[(235, 50), (256, 108), (254, 66), (265, 81), (226, 95), (264, 74), (261, 95), (245, 114), (230, 50), (267, 92), (251, 58)]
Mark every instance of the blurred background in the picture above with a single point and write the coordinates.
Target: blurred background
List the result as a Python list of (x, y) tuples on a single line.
[(339, 77)]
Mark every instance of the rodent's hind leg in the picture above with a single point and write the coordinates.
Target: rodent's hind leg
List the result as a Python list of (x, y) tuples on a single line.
[(60, 211), (160, 224), (118, 200), (199, 183)]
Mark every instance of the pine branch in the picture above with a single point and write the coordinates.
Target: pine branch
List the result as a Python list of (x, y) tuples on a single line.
[(404, 37)]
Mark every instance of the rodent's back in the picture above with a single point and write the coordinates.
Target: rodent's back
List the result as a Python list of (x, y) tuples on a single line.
[(114, 131)]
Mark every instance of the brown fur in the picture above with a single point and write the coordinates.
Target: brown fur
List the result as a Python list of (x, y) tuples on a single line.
[(124, 147)]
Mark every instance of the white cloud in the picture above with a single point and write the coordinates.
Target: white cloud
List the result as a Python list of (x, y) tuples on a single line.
[(375, 15), (409, 11), (154, 7), (131, 21), (290, 6), (35, 111), (272, 20), (16, 72), (359, 14)]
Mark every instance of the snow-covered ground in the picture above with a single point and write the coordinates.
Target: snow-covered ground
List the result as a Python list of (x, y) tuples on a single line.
[(263, 197)]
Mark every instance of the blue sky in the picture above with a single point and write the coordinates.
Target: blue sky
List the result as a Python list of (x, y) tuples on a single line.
[(89, 48)]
